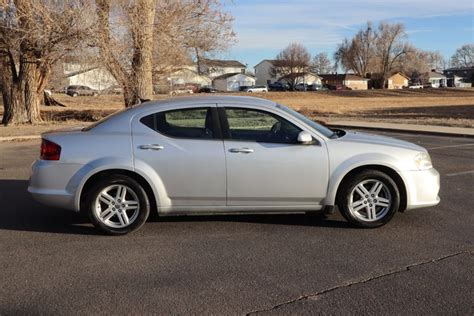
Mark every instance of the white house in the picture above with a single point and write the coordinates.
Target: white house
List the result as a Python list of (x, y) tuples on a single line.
[(187, 76), (264, 72), (214, 67), (91, 76), (233, 82), (306, 77), (435, 79)]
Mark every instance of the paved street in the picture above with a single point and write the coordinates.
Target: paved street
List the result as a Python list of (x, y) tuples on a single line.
[(52, 261)]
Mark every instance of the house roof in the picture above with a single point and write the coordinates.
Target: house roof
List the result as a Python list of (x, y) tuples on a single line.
[(459, 69), (342, 77), (222, 63), (433, 74), (225, 76), (401, 74), (271, 61)]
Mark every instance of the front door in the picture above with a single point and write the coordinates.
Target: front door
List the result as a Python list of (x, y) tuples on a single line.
[(266, 166), (185, 149)]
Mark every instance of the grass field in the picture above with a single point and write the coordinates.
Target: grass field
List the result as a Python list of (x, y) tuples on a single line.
[(444, 107)]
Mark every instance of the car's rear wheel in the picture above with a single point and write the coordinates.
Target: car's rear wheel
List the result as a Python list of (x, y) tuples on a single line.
[(118, 205), (369, 199)]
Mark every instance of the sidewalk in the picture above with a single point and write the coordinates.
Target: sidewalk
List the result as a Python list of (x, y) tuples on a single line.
[(407, 128)]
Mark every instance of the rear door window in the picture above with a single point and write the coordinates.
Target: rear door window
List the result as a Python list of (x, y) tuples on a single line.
[(197, 123)]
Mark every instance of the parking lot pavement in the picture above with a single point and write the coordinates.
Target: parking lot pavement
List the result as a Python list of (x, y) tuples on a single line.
[(54, 262)]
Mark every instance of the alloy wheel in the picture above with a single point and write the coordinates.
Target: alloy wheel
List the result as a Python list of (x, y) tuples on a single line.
[(370, 200), (117, 206)]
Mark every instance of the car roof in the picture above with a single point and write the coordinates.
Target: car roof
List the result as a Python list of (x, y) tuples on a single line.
[(219, 99), (121, 118)]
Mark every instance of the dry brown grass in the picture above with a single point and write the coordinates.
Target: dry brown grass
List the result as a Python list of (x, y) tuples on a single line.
[(444, 107)]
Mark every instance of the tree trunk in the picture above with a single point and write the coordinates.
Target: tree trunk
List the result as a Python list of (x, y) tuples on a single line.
[(32, 98), (14, 111), (142, 56)]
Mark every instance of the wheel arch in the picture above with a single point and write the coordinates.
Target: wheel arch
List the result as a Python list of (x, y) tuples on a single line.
[(101, 174), (392, 173)]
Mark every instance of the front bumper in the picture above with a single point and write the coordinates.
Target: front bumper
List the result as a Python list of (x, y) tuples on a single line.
[(422, 188)]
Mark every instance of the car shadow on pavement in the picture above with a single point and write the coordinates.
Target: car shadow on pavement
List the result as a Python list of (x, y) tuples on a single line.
[(300, 219), (20, 212)]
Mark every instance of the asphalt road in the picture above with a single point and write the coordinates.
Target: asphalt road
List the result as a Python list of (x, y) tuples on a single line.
[(52, 261)]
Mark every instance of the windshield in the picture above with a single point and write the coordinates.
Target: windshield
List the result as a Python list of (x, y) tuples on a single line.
[(320, 128)]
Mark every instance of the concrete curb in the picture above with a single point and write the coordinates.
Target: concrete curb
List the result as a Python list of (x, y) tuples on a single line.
[(19, 138)]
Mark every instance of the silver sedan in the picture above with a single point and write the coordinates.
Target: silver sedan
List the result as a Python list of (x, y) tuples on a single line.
[(223, 154)]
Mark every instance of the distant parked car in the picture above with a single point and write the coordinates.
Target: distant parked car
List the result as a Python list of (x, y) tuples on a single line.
[(75, 91), (415, 86), (301, 87), (316, 87), (252, 89), (278, 86), (181, 91), (208, 90)]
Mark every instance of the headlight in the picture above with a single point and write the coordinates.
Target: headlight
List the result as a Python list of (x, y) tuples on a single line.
[(423, 161)]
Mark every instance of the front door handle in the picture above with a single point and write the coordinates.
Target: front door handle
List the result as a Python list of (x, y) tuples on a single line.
[(241, 150), (151, 147)]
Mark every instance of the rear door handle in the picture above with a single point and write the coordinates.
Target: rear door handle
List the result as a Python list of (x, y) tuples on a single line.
[(151, 147), (241, 150)]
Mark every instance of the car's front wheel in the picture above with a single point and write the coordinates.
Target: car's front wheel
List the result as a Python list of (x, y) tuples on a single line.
[(118, 205), (369, 199)]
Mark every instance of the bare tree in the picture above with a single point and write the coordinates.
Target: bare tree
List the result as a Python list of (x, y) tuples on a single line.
[(144, 39), (321, 64), (390, 47), (125, 41), (291, 63), (188, 30), (358, 54), (463, 57), (33, 36)]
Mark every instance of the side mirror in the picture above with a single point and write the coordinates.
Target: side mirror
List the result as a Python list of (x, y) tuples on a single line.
[(305, 138)]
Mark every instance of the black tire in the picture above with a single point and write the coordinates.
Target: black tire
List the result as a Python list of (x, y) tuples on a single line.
[(390, 189), (131, 184)]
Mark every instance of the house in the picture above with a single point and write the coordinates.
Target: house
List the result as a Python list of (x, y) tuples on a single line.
[(304, 77), (347, 80), (188, 77), (435, 79), (397, 81), (233, 81), (214, 67), (464, 72), (460, 77), (458, 82), (265, 73), (94, 77)]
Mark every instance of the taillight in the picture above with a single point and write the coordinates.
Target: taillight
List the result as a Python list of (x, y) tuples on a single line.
[(50, 150)]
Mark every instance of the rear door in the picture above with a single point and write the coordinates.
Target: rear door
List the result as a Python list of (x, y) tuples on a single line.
[(185, 148), (266, 166)]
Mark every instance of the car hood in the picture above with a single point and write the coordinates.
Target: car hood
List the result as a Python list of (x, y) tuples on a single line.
[(365, 138)]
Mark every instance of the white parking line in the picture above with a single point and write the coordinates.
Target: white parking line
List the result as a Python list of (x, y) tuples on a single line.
[(460, 173), (450, 146)]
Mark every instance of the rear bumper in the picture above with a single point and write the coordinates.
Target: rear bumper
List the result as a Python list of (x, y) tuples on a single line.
[(54, 183), (422, 188)]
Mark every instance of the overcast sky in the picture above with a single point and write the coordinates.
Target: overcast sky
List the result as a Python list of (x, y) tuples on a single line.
[(264, 27)]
